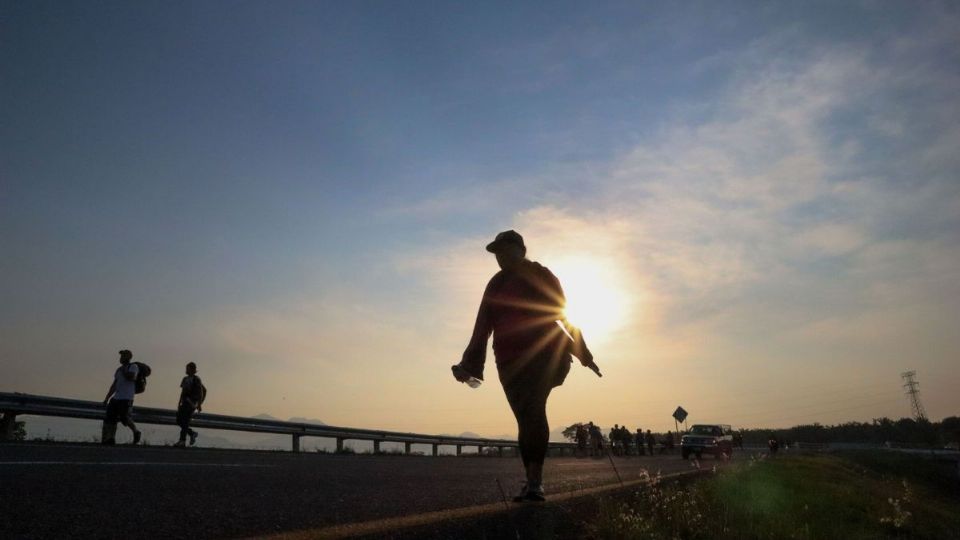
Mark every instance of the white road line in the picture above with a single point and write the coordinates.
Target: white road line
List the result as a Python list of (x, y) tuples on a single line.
[(138, 463)]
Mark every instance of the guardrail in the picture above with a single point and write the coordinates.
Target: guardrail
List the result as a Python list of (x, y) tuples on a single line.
[(13, 404)]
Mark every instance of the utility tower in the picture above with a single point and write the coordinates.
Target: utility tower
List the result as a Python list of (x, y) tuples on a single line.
[(911, 386)]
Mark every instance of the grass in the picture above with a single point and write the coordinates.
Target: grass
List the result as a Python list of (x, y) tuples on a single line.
[(850, 496)]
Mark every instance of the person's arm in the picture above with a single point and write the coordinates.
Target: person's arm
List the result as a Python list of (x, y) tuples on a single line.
[(113, 388), (203, 395), (475, 355), (130, 374), (578, 347)]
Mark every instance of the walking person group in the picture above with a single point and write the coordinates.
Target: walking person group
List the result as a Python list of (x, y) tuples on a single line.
[(590, 441), (534, 344), (129, 380)]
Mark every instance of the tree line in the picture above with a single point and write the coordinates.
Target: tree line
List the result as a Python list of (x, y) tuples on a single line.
[(880, 431)]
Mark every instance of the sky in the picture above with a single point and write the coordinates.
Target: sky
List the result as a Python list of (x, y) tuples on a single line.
[(754, 208)]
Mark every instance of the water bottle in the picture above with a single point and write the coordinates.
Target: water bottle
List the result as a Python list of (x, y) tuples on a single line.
[(462, 374)]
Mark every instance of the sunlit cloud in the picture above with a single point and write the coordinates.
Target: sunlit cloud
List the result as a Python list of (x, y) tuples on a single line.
[(764, 233)]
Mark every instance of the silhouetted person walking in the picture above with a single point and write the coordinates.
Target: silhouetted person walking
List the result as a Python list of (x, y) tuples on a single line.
[(639, 441), (192, 394), (616, 440), (520, 307), (596, 440), (119, 400), (581, 438), (625, 439), (650, 442)]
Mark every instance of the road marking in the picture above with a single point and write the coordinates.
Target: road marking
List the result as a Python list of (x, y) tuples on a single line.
[(382, 526), (138, 463)]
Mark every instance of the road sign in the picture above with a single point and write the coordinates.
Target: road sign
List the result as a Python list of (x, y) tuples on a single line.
[(680, 415)]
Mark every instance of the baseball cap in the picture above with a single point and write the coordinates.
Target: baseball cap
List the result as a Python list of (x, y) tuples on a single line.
[(506, 238)]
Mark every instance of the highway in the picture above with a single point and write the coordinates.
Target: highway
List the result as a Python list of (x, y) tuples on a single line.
[(88, 491)]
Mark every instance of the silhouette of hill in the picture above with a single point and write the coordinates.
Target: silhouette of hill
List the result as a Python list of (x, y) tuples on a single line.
[(302, 420)]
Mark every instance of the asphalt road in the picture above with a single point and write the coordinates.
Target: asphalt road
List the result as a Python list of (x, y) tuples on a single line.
[(73, 491)]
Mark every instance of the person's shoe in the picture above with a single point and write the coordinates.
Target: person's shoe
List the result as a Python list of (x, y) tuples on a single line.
[(136, 437), (535, 493), (523, 494), (179, 444), (530, 493), (193, 438)]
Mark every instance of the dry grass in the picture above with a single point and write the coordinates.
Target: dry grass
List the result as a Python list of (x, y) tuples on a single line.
[(867, 495)]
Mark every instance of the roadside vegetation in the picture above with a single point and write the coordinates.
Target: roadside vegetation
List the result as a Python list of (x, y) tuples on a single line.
[(871, 494)]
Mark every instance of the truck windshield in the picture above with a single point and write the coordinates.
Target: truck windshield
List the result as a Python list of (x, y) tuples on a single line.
[(706, 430)]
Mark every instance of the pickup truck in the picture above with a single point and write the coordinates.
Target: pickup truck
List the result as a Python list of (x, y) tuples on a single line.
[(716, 439)]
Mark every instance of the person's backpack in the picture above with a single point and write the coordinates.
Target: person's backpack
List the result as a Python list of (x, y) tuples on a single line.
[(198, 392), (143, 371)]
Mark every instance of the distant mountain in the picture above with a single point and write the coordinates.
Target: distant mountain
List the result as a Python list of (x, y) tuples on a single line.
[(465, 434), (264, 416), (301, 420)]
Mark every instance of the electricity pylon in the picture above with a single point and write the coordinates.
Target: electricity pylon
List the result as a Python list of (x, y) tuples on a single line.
[(911, 386)]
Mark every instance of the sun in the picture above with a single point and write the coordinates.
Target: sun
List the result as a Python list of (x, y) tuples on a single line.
[(597, 300)]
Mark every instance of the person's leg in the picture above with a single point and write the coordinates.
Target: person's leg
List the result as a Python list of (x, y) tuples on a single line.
[(517, 400), (538, 437), (183, 420), (109, 430), (534, 432), (528, 403), (125, 409), (190, 432)]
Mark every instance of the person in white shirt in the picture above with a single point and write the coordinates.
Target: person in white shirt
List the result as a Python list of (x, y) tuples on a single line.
[(122, 390)]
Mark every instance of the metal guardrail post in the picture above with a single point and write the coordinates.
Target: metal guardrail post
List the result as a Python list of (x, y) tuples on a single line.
[(436, 448), (339, 444), (376, 447), (406, 448), (459, 449), (296, 442), (500, 451), (8, 425)]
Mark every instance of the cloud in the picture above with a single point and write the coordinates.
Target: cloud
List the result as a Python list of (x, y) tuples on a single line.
[(771, 208), (787, 218)]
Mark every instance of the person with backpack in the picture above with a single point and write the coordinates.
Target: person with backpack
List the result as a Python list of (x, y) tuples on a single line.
[(119, 399), (522, 306), (192, 394)]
